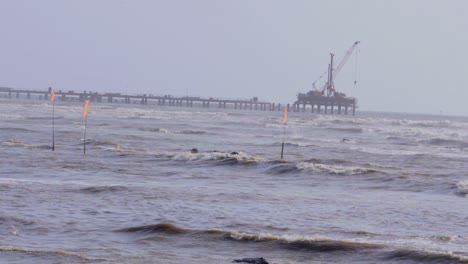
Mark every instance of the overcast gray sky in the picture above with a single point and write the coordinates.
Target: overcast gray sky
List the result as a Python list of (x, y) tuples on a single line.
[(412, 58)]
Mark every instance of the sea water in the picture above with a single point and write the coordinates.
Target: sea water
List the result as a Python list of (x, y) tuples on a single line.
[(370, 188)]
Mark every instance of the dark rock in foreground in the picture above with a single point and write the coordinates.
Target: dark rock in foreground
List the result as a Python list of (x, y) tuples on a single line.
[(251, 261)]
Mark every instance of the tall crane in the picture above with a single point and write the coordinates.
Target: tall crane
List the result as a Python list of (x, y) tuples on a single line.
[(329, 86)]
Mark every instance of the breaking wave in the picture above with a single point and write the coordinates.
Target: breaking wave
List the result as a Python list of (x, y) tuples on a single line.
[(104, 145), (427, 256), (283, 241), (462, 188), (423, 124), (166, 228), (393, 252), (336, 169), (304, 243), (167, 131), (221, 158)]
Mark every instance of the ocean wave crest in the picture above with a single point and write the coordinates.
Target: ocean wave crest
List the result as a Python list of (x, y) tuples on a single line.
[(302, 243), (421, 123), (46, 252), (427, 256), (462, 187), (335, 169), (389, 251), (222, 158), (167, 228)]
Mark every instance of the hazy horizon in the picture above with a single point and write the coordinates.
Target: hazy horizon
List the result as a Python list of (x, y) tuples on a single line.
[(411, 56)]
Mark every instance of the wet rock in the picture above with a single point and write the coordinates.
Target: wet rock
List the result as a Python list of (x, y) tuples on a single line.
[(251, 261)]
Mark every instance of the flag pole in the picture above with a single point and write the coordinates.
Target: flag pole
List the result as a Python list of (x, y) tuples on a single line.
[(52, 98), (285, 120), (282, 144), (53, 125), (85, 115), (84, 137)]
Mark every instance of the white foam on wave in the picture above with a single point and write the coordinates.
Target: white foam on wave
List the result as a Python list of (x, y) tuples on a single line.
[(462, 187), (15, 143), (205, 156), (334, 169), (287, 238), (46, 181)]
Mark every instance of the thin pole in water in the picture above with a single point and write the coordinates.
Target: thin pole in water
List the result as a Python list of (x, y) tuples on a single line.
[(282, 144), (285, 120), (85, 115), (53, 125), (52, 98), (84, 136)]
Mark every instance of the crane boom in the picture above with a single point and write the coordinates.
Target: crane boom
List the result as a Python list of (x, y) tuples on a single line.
[(345, 59)]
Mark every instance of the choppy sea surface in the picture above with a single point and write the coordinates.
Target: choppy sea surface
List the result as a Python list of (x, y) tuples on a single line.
[(373, 188)]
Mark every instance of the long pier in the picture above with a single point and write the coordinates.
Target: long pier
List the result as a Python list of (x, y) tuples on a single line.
[(186, 101), (164, 100)]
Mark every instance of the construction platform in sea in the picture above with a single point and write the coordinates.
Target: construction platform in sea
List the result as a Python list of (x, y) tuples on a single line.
[(336, 104)]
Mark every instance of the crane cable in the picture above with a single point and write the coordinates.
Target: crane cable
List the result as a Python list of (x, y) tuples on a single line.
[(356, 67), (313, 84)]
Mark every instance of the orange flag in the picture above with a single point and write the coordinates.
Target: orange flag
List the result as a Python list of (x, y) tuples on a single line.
[(85, 108), (52, 95), (285, 116)]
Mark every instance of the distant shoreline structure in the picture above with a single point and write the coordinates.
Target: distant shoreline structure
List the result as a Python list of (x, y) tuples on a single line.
[(160, 100)]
